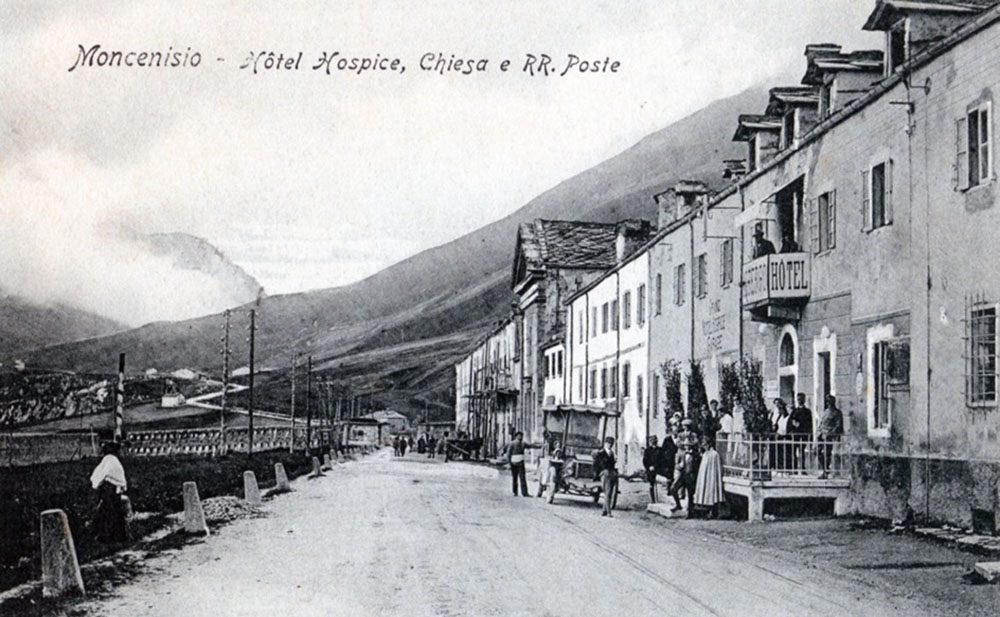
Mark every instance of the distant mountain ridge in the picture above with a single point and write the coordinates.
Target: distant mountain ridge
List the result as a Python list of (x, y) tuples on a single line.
[(27, 325), (405, 326)]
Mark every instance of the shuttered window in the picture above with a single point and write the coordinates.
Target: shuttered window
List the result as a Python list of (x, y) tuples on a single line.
[(823, 222)]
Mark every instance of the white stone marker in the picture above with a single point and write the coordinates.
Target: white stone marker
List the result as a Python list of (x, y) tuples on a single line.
[(281, 479), (317, 472), (194, 514), (251, 492), (60, 568)]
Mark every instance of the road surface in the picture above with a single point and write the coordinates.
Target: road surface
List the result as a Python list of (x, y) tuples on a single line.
[(414, 537)]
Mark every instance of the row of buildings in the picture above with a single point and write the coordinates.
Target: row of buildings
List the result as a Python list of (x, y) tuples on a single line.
[(875, 181)]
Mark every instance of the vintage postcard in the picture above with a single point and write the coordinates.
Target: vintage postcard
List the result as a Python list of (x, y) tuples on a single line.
[(499, 308)]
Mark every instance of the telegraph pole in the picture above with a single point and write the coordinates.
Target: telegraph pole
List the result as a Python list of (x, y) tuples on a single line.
[(291, 446), (253, 331), (309, 371), (120, 400), (225, 382)]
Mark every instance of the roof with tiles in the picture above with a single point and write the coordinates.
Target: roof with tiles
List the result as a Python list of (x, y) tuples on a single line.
[(751, 123), (567, 244)]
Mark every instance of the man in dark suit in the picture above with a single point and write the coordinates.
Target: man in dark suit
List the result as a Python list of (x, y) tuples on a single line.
[(800, 427), (606, 471)]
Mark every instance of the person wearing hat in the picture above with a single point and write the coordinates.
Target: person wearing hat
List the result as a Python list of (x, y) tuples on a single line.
[(606, 470), (761, 245), (651, 464), (515, 456), (110, 523)]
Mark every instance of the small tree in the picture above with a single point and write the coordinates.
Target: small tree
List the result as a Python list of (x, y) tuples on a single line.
[(698, 401), (756, 420), (671, 371), (729, 385)]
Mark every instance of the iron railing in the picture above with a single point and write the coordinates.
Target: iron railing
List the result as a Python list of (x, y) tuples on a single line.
[(784, 456)]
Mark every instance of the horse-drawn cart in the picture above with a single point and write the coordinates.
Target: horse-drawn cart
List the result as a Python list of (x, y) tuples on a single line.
[(573, 433)]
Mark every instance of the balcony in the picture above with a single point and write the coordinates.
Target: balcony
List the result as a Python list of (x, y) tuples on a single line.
[(776, 286), (784, 467)]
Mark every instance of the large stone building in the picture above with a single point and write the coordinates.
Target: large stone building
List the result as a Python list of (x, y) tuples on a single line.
[(875, 181)]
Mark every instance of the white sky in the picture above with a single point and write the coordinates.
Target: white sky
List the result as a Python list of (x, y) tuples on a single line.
[(308, 180)]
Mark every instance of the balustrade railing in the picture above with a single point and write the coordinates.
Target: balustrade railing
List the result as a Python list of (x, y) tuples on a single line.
[(785, 456)]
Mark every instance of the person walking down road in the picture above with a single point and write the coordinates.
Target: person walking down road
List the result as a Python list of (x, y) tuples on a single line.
[(431, 446), (110, 523), (708, 491), (606, 471), (421, 444), (651, 464), (395, 445), (443, 447), (831, 429), (800, 427), (402, 447), (515, 456)]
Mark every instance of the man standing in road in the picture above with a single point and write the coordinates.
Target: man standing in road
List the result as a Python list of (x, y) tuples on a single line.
[(606, 471), (515, 456), (651, 463)]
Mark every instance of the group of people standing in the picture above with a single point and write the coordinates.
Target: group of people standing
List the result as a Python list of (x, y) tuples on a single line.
[(691, 466), (425, 443), (793, 433)]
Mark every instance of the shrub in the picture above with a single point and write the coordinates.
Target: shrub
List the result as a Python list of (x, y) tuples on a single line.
[(756, 419), (673, 403)]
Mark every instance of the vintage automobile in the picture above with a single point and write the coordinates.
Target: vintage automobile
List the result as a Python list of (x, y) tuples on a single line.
[(572, 434)]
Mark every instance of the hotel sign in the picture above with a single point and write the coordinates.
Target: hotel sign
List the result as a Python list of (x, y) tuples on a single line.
[(776, 279)]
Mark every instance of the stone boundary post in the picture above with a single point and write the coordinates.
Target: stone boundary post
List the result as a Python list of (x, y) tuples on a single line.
[(60, 568)]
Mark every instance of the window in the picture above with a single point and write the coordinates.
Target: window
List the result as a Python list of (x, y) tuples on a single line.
[(825, 100), (981, 371), (638, 392), (613, 381), (701, 282), (604, 317), (593, 322), (878, 401), (659, 293), (640, 305), (627, 310), (788, 122), (823, 212), (626, 379), (614, 314), (974, 166), (593, 383), (726, 261), (880, 393), (679, 278), (896, 44), (579, 383), (579, 325), (876, 200), (559, 363), (655, 396), (604, 382), (979, 145), (548, 366)]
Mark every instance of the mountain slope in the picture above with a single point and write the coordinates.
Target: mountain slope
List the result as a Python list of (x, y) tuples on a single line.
[(431, 307), (25, 325)]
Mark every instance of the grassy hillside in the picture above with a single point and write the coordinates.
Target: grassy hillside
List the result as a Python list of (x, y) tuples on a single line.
[(405, 326), (25, 325)]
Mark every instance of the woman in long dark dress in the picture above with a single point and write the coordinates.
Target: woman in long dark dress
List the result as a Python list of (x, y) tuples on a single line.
[(110, 522)]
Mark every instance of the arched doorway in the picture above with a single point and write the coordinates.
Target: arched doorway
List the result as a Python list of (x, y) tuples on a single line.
[(788, 365)]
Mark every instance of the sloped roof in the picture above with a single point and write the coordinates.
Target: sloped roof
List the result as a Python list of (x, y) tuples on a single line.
[(750, 123), (567, 244), (869, 60), (887, 12)]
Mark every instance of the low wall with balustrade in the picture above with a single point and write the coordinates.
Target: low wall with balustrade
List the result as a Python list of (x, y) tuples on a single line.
[(19, 449)]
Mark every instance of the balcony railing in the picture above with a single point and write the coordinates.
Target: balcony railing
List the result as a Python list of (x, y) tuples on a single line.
[(778, 280), (790, 456)]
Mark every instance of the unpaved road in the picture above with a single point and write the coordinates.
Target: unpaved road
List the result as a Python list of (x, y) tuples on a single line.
[(413, 537)]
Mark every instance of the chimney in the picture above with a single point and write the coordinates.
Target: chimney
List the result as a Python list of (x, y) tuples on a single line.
[(630, 234), (666, 208)]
